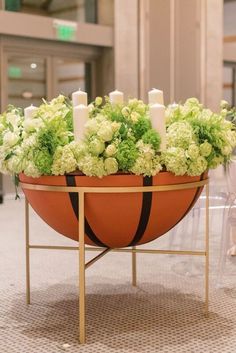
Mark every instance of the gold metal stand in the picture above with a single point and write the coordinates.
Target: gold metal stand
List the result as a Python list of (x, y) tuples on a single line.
[(82, 248)]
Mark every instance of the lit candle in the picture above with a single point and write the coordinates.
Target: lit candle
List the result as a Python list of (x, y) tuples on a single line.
[(116, 97), (30, 111), (80, 117), (157, 116), (155, 96), (79, 97), (173, 105)]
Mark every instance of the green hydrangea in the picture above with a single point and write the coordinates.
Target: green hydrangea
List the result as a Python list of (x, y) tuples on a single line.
[(205, 149), (180, 134), (43, 161), (126, 155), (118, 137), (64, 160), (197, 166), (141, 127), (193, 152), (152, 137), (212, 133), (175, 160)]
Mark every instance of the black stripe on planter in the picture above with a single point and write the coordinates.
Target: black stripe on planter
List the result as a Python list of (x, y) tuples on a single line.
[(74, 199), (145, 212)]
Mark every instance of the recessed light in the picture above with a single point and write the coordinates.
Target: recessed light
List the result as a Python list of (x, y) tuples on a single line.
[(27, 94), (33, 66)]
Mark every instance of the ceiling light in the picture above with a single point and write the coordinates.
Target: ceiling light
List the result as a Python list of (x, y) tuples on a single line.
[(27, 94), (33, 66)]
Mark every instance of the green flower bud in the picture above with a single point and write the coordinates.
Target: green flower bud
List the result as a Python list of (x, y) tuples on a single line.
[(98, 101)]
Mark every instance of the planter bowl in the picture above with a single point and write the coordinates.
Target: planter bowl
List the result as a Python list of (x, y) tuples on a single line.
[(114, 220)]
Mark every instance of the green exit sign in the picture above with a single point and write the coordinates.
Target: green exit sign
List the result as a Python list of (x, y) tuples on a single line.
[(65, 30), (14, 72), (65, 33)]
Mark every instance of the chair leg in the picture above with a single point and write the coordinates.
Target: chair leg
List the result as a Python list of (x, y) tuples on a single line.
[(193, 236), (224, 246), (134, 267)]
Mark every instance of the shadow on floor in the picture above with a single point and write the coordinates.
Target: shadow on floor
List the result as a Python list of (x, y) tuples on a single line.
[(149, 316)]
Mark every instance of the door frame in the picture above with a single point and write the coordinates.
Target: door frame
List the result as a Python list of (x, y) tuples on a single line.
[(42, 48), (232, 65)]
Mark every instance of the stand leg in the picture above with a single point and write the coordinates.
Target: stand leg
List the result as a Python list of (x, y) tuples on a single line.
[(27, 252), (82, 337), (207, 254), (134, 267)]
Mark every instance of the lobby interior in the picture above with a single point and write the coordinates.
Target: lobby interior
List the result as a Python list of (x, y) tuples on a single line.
[(186, 48)]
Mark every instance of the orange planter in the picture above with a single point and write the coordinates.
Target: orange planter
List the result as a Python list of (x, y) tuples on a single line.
[(114, 220)]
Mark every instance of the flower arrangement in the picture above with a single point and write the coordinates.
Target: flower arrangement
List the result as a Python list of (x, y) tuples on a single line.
[(117, 138)]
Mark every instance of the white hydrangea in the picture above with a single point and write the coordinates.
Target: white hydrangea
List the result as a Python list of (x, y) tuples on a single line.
[(10, 138), (15, 164), (13, 118), (192, 152), (29, 142), (134, 116), (145, 149), (105, 131), (115, 126), (92, 166), (147, 167), (31, 125), (91, 127), (226, 150), (31, 170), (79, 149)]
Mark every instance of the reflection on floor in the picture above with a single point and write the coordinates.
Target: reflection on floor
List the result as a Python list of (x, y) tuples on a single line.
[(163, 314)]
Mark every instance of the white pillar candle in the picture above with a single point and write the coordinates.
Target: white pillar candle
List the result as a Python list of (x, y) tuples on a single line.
[(116, 97), (157, 116), (80, 117), (155, 96), (79, 97), (30, 111)]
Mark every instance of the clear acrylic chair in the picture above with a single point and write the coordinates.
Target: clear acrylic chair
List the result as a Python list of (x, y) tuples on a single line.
[(188, 234), (228, 239)]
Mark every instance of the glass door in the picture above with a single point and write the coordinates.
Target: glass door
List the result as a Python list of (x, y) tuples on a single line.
[(229, 85), (27, 77), (30, 78), (71, 75), (26, 80)]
